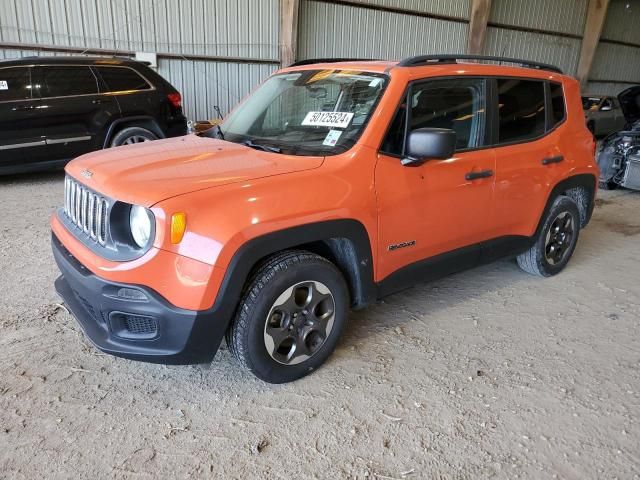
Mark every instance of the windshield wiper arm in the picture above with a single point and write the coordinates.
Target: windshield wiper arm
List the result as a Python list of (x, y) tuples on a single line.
[(219, 131), (257, 146)]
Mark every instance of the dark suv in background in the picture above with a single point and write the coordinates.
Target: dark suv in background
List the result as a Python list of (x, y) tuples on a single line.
[(53, 109)]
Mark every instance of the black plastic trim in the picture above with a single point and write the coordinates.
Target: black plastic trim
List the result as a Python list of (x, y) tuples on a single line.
[(312, 61), (585, 180), (421, 60), (454, 261), (257, 249), (183, 337)]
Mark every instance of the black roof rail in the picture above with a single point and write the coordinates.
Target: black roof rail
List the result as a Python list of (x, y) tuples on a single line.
[(311, 61), (452, 58)]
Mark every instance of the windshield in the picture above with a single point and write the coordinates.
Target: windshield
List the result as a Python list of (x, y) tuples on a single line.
[(589, 103), (312, 112)]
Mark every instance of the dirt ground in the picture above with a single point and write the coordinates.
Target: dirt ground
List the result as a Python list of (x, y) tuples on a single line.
[(490, 373)]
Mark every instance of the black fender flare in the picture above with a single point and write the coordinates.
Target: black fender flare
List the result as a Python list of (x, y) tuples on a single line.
[(144, 121), (357, 256), (207, 334), (586, 180)]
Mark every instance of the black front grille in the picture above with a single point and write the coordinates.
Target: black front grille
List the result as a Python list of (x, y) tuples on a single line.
[(138, 325), (130, 326)]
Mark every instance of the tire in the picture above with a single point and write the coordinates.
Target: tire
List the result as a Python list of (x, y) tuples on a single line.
[(131, 135), (274, 334), (551, 251)]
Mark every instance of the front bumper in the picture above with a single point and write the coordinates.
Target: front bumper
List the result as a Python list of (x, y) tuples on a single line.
[(136, 323)]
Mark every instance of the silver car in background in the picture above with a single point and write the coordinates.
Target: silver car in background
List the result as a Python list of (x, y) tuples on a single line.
[(602, 114), (619, 153)]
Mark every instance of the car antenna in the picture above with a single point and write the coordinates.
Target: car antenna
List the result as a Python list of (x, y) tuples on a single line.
[(217, 109)]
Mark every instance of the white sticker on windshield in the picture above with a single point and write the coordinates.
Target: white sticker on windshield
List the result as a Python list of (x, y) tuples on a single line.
[(332, 138), (4, 85), (328, 119), (375, 82)]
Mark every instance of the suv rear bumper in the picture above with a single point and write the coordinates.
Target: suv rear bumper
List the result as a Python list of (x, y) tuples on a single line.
[(147, 328)]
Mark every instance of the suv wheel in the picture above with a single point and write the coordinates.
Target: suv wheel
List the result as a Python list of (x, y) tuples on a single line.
[(290, 317), (131, 135), (556, 240)]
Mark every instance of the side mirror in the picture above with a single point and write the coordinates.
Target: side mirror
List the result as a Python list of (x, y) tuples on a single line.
[(606, 108), (429, 143)]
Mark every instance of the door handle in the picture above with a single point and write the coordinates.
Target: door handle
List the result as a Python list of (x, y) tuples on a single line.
[(550, 160), (478, 175)]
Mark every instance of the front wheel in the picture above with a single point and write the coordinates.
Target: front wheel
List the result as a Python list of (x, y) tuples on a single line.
[(556, 240), (290, 317)]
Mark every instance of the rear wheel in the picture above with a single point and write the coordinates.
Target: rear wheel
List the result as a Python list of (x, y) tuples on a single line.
[(290, 317), (131, 135), (556, 240)]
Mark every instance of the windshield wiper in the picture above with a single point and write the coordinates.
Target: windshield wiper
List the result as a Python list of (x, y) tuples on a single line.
[(265, 148), (219, 131)]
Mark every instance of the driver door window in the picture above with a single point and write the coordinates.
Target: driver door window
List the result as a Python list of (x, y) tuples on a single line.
[(458, 105)]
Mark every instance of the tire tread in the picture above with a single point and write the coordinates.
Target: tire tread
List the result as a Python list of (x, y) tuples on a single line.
[(531, 261), (236, 335)]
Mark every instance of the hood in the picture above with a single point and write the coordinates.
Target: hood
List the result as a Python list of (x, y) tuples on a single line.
[(149, 172), (630, 103)]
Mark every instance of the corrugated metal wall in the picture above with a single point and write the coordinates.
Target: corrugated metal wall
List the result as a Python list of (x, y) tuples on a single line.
[(242, 36), (622, 21), (335, 30), (534, 38), (617, 61), (233, 29), (562, 16), (546, 48), (548, 31), (453, 8)]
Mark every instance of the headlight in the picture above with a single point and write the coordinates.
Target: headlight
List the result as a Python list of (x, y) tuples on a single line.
[(140, 224)]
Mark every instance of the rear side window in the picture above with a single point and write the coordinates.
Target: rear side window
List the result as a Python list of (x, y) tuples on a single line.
[(557, 103), (521, 110), (122, 79), (65, 81), (15, 83)]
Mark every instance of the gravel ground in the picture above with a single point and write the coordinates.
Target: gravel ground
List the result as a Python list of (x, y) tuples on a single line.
[(491, 373)]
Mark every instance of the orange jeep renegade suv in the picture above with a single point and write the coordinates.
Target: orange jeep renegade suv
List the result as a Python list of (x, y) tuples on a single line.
[(334, 184)]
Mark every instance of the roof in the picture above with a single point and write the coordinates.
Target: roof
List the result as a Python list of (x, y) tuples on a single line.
[(68, 59)]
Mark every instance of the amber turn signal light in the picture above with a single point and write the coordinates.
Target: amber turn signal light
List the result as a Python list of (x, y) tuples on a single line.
[(178, 226)]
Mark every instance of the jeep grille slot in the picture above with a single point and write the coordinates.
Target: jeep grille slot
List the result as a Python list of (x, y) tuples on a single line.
[(86, 210)]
